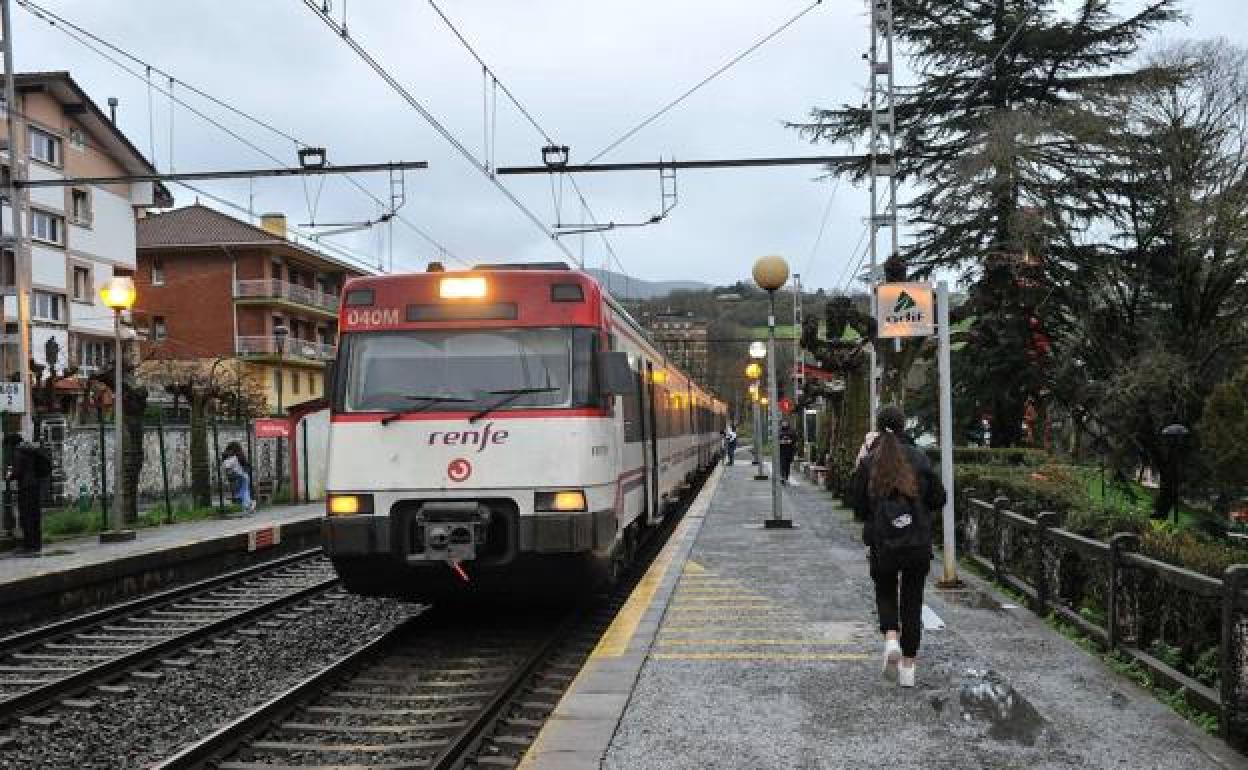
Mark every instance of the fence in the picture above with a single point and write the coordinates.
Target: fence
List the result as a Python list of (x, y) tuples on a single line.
[(1138, 606)]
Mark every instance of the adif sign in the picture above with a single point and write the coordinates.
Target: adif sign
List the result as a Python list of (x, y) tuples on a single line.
[(905, 310)]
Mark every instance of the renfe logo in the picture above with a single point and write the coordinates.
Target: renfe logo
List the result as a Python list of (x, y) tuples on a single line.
[(478, 438), (372, 316)]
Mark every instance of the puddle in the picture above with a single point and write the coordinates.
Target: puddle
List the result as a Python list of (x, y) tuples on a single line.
[(977, 600), (985, 696)]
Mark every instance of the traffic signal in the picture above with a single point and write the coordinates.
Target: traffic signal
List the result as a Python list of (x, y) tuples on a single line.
[(785, 404)]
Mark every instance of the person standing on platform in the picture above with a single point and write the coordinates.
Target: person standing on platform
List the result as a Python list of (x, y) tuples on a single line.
[(730, 445), (31, 469), (894, 490), (788, 448), (236, 468)]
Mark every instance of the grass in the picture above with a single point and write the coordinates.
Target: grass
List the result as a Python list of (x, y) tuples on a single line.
[(65, 523), (1131, 497)]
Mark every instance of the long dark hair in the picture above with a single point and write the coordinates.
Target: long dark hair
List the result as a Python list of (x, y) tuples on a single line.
[(891, 472), (236, 449)]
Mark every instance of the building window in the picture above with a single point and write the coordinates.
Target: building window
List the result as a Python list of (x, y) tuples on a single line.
[(93, 354), (160, 331), (277, 379), (311, 384), (47, 227), (9, 277), (80, 205), (45, 147), (82, 284), (46, 306), (294, 383), (158, 271), (77, 139)]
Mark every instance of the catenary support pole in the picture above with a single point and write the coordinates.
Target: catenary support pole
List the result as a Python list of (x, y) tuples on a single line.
[(17, 200), (777, 520), (950, 576)]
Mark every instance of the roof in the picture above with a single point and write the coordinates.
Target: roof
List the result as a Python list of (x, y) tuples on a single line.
[(61, 85), (198, 226)]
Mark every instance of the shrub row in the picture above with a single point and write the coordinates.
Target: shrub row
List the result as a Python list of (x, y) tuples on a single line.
[(988, 456)]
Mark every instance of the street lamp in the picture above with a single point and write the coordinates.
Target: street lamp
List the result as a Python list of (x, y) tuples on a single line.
[(280, 333), (754, 372), (118, 294), (770, 273), (1174, 436)]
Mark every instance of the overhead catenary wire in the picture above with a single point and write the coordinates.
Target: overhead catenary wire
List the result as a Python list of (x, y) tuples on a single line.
[(94, 42), (698, 86), (433, 122)]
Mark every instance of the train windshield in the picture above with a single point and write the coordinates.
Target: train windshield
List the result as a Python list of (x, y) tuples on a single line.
[(458, 370)]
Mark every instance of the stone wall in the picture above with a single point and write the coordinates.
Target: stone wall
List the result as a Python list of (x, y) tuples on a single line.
[(81, 461)]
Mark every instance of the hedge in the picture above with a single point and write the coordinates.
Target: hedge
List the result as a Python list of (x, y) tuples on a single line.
[(971, 455)]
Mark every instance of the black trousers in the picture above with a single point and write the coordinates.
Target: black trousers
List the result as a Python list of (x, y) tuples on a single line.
[(901, 610), (31, 518), (786, 462)]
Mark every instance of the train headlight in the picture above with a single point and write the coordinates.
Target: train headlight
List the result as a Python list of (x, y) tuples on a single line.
[(348, 505), (462, 287), (563, 501)]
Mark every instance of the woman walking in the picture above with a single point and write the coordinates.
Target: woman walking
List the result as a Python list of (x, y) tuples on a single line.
[(236, 468), (894, 493)]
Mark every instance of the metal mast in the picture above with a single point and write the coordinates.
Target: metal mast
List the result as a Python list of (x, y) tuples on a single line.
[(17, 200), (882, 149)]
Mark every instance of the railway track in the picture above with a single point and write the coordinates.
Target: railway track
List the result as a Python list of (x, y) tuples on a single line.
[(44, 665), (436, 693)]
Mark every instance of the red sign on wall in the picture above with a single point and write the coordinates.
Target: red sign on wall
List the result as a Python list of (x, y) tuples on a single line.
[(272, 427)]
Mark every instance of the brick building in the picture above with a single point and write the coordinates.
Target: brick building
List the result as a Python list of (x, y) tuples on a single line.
[(684, 339), (80, 235), (214, 287)]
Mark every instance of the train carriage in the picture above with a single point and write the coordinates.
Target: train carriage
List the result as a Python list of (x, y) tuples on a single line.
[(501, 431)]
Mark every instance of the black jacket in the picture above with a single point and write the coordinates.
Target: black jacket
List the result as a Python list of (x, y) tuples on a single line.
[(931, 490)]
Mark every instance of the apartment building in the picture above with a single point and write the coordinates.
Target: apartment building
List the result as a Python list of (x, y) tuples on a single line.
[(684, 339), (212, 287), (80, 235)]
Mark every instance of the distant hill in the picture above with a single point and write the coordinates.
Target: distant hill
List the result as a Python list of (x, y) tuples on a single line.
[(627, 287)]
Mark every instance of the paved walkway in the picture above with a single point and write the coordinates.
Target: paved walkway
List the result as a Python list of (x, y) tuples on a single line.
[(759, 650), (65, 555)]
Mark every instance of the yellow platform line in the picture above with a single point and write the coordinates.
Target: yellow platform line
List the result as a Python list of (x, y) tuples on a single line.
[(729, 627), (615, 641), (762, 657), (752, 642)]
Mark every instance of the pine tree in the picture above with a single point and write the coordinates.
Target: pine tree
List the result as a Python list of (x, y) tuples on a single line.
[(983, 134)]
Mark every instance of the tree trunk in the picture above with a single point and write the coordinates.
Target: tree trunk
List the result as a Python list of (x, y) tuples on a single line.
[(132, 453), (201, 470)]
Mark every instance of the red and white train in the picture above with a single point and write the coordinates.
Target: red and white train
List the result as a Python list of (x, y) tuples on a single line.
[(504, 430)]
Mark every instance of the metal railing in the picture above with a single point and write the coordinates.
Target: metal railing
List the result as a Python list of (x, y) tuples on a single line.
[(1131, 604), (277, 289), (319, 351)]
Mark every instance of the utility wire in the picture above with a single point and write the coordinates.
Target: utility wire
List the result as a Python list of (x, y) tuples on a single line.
[(663, 110), (823, 225), (437, 126), (506, 91), (488, 71), (82, 36)]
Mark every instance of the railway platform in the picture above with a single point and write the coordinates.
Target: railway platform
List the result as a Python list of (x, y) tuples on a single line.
[(80, 574), (746, 647)]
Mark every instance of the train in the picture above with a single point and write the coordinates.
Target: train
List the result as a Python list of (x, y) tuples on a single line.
[(503, 431)]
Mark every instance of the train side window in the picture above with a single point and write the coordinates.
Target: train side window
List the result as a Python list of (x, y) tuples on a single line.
[(632, 412)]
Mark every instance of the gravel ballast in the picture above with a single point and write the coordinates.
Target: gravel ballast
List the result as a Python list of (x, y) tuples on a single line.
[(158, 715)]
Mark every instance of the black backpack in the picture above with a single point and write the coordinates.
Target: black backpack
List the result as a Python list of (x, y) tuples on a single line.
[(899, 522)]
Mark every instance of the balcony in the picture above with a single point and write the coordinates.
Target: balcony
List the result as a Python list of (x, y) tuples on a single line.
[(265, 347), (273, 289)]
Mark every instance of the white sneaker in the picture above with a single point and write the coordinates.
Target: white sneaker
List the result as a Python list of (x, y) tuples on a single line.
[(905, 675), (892, 656)]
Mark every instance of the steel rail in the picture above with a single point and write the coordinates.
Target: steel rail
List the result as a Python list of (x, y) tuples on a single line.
[(50, 632), (42, 695)]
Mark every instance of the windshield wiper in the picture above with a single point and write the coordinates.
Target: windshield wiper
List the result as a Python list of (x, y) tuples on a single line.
[(509, 395), (429, 403)]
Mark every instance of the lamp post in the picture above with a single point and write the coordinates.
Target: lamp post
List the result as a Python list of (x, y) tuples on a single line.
[(754, 372), (1175, 436), (770, 273), (118, 294), (280, 333)]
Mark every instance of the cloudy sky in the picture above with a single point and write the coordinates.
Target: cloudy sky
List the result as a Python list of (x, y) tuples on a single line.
[(587, 71)]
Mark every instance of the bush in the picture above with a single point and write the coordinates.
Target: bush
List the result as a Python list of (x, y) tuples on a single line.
[(1013, 456), (1191, 550), (1030, 490)]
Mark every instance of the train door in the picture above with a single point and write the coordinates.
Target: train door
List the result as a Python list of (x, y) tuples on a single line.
[(651, 449)]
